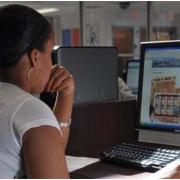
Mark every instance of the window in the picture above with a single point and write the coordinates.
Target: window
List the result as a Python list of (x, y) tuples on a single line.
[(164, 20)]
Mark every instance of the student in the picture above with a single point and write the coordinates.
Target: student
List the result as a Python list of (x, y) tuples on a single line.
[(32, 144)]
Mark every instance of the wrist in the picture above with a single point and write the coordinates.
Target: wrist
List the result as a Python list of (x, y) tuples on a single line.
[(66, 94), (64, 123)]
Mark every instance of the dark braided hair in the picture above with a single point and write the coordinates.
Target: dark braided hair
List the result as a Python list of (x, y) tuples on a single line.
[(21, 30)]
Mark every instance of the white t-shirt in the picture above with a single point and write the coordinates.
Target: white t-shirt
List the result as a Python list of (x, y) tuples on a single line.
[(19, 111)]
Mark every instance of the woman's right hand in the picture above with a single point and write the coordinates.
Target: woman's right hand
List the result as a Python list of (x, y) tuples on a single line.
[(60, 81), (171, 171)]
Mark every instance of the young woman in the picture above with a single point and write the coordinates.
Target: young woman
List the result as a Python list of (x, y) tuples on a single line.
[(32, 137)]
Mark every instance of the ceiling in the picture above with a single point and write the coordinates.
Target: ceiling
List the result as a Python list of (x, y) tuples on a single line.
[(72, 7), (64, 7)]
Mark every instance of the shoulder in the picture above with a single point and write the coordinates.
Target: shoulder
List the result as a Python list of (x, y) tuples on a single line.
[(33, 113), (33, 107)]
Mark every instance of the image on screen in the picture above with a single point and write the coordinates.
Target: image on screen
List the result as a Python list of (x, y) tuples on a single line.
[(160, 91), (132, 79)]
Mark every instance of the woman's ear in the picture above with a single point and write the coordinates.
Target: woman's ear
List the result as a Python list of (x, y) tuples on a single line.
[(34, 58)]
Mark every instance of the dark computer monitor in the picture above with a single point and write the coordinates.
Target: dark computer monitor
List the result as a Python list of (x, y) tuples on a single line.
[(159, 90), (132, 75), (94, 70)]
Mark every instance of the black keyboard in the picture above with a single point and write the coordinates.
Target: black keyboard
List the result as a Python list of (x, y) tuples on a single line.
[(146, 157)]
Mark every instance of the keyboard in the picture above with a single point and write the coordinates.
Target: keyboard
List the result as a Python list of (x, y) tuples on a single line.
[(143, 156)]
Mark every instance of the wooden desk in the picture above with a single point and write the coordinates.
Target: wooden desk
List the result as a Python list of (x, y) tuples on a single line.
[(98, 126), (108, 171)]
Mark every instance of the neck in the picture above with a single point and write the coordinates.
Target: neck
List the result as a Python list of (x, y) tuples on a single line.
[(7, 81), (5, 75), (15, 78), (18, 74)]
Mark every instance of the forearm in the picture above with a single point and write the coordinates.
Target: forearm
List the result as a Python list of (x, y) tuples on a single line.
[(171, 171), (63, 110)]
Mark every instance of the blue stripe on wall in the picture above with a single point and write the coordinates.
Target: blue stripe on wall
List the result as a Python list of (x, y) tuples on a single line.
[(66, 40)]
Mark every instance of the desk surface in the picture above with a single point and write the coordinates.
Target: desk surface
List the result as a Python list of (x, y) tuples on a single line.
[(99, 169), (95, 128)]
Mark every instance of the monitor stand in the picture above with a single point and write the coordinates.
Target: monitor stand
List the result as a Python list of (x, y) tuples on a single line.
[(166, 138)]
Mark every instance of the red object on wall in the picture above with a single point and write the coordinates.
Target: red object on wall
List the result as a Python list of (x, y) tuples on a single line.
[(75, 37)]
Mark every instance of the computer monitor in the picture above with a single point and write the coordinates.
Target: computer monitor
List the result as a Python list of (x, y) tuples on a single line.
[(94, 70), (132, 75), (159, 90)]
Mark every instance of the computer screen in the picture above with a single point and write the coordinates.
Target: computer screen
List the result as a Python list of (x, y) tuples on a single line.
[(132, 75), (159, 92), (94, 70)]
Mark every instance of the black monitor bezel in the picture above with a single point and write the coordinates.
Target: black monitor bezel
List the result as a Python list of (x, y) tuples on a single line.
[(145, 45)]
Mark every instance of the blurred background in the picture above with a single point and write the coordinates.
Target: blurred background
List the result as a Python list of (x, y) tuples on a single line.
[(123, 24)]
